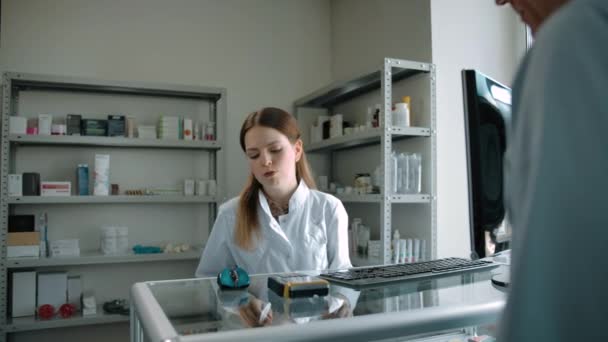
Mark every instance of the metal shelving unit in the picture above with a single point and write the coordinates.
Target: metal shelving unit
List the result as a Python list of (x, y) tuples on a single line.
[(97, 258), (377, 198), (110, 199), (340, 95), (351, 198), (32, 323), (366, 138), (18, 89), (344, 90), (71, 140)]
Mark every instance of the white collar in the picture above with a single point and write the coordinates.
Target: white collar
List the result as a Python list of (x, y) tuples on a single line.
[(297, 198)]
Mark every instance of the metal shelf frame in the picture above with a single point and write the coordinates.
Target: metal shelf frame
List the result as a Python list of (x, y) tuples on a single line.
[(12, 84), (32, 323), (382, 79), (50, 200), (344, 90), (72, 140), (378, 198), (97, 258), (366, 138)]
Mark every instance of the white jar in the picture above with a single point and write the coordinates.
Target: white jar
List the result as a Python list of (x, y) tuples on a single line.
[(122, 240), (188, 187), (108, 240), (335, 128), (201, 187)]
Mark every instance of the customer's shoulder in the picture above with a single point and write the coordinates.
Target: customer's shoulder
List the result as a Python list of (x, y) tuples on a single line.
[(577, 23), (571, 43)]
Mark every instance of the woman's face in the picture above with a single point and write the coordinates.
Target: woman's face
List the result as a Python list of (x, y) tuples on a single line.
[(272, 157)]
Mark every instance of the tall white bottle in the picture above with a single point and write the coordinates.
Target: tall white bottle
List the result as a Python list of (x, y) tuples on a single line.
[(396, 238)]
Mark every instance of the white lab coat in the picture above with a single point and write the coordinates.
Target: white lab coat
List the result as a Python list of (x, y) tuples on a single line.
[(312, 236)]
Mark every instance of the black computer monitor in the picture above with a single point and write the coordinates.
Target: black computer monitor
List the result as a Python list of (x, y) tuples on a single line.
[(487, 114)]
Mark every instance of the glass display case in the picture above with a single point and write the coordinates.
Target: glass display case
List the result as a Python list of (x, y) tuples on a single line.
[(449, 308)]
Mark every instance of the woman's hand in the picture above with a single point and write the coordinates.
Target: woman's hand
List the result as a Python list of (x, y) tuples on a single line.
[(252, 314), (342, 311)]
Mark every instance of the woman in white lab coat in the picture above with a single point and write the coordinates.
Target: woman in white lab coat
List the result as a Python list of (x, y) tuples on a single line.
[(279, 222)]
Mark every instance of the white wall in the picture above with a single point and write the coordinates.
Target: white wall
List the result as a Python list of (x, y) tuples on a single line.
[(363, 32), (473, 34), (464, 34), (265, 52)]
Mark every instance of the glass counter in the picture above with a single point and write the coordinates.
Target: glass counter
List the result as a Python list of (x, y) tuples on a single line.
[(448, 308)]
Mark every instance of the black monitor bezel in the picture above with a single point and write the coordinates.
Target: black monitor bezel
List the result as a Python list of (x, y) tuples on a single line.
[(471, 123)]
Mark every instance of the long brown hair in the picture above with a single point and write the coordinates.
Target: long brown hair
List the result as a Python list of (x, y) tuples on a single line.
[(247, 223)]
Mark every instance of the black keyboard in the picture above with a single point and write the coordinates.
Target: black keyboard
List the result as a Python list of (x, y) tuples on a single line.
[(402, 272)]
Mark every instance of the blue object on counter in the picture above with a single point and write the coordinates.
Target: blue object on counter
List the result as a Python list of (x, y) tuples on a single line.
[(139, 249), (233, 278)]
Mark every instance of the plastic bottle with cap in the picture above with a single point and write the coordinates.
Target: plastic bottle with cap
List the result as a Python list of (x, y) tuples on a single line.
[(407, 101), (396, 238), (401, 113)]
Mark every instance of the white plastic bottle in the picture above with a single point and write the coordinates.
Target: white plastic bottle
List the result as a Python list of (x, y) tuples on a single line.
[(401, 115), (402, 175), (396, 238), (395, 173), (122, 240)]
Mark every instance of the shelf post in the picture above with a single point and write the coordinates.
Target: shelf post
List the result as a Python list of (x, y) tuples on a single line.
[(386, 148)]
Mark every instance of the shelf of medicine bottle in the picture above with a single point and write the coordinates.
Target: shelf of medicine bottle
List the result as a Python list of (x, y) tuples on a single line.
[(77, 140), (418, 198), (367, 137), (373, 198), (364, 260), (341, 91), (377, 198), (30, 323), (97, 258), (115, 199)]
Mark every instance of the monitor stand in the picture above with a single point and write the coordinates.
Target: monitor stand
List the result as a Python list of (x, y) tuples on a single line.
[(503, 279)]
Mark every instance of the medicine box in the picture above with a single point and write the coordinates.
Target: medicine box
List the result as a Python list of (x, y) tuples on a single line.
[(23, 239), (55, 189), (94, 127), (21, 223), (17, 125), (23, 294), (44, 124), (29, 251), (52, 288), (15, 185), (116, 125), (73, 124), (75, 291)]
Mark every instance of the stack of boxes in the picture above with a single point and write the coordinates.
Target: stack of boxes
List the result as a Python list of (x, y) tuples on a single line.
[(22, 240), (30, 290), (169, 127), (23, 244)]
